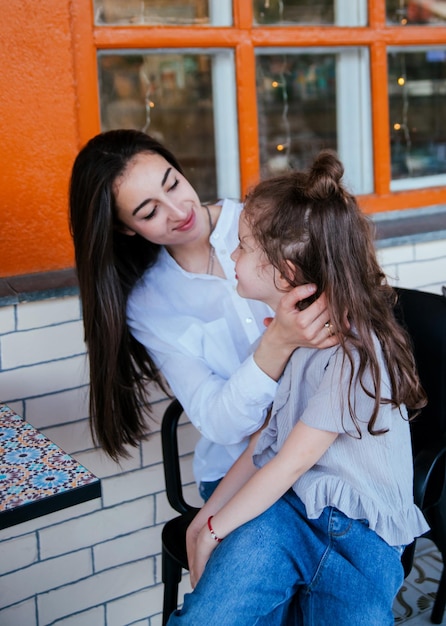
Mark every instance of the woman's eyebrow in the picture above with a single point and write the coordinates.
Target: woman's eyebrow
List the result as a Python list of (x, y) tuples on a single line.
[(147, 200), (166, 174), (140, 206)]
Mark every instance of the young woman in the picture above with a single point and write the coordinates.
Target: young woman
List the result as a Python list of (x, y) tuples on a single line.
[(309, 525), (160, 303)]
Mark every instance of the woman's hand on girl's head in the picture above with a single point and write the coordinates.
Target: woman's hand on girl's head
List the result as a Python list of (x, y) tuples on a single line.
[(307, 327), (293, 328)]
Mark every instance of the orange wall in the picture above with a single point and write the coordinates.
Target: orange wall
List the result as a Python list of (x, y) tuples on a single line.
[(38, 135), (49, 108)]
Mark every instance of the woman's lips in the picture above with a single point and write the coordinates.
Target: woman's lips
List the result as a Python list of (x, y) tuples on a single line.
[(188, 223)]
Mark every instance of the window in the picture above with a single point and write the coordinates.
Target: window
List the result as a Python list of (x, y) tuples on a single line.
[(417, 105), (163, 12), (316, 12), (309, 99), (173, 96), (241, 90), (408, 12)]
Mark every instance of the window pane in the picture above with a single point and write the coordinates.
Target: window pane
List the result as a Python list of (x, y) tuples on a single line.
[(296, 108), (311, 100), (169, 96), (179, 12), (291, 12), (417, 102), (404, 12)]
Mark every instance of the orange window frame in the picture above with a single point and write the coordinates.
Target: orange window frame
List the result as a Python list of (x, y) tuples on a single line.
[(243, 38)]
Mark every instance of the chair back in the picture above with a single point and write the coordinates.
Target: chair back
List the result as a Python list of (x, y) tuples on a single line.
[(171, 459), (424, 316)]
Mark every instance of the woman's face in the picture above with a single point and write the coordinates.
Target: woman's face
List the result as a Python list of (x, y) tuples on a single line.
[(154, 200), (256, 277)]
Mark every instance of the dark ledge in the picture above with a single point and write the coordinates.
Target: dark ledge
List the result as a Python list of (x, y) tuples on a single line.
[(398, 228), (31, 287), (394, 228)]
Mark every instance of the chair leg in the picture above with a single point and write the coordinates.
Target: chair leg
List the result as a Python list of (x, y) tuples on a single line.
[(440, 600), (171, 576)]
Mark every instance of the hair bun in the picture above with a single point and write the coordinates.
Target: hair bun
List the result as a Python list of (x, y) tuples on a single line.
[(324, 176)]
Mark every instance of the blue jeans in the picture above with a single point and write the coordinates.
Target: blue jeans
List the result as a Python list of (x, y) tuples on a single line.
[(206, 489), (282, 568)]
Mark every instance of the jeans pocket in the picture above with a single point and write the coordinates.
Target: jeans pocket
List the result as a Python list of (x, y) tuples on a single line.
[(339, 523)]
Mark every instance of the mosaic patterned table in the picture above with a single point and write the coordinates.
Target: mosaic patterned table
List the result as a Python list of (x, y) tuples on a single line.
[(36, 476)]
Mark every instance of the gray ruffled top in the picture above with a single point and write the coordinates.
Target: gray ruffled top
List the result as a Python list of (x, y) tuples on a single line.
[(368, 477)]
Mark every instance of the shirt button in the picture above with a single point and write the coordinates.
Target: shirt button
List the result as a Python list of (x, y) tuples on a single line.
[(223, 251), (216, 236), (248, 320)]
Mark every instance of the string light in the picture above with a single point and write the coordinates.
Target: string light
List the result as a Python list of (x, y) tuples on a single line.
[(285, 120)]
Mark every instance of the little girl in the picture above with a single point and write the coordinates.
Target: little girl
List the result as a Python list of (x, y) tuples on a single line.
[(309, 525)]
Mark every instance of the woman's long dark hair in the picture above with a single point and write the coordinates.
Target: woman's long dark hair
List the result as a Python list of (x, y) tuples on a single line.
[(108, 265), (310, 219)]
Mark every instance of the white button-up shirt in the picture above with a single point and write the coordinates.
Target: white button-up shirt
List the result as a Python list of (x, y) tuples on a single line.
[(201, 334)]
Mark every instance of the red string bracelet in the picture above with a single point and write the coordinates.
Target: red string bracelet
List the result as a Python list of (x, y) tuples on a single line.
[(211, 530)]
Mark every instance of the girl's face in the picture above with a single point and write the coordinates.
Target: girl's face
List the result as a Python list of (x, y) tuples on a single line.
[(154, 200), (257, 278)]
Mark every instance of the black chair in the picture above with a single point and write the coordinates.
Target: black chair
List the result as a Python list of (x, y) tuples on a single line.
[(424, 316), (173, 544)]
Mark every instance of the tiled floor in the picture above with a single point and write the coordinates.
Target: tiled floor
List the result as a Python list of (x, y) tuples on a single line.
[(414, 602)]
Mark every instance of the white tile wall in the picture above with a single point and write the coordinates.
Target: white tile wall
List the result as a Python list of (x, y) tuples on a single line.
[(126, 549), (131, 485), (21, 613), (52, 342), (419, 265), (46, 574), (71, 437), (428, 274), (18, 552), (47, 312), (102, 525), (98, 563), (7, 319), (59, 408), (83, 618), (43, 379), (118, 582)]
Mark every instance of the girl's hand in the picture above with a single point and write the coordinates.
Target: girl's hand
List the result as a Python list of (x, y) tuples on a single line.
[(204, 546)]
